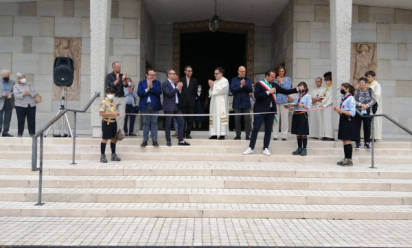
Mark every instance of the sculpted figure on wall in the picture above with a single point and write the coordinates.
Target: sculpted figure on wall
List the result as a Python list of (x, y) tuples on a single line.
[(363, 60), (69, 47)]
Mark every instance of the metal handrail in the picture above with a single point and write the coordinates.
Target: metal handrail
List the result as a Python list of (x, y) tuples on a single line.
[(373, 133), (40, 133)]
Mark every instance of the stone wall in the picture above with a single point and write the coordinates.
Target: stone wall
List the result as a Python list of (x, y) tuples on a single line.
[(27, 33), (390, 29), (282, 39)]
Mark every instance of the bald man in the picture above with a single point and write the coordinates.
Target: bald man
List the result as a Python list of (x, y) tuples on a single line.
[(241, 87)]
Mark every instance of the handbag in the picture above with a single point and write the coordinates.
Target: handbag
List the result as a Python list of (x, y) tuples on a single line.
[(37, 98)]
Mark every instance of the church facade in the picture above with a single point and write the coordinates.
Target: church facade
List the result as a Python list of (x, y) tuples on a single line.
[(309, 36)]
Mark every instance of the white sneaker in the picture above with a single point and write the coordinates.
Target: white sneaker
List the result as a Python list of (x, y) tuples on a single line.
[(266, 152), (248, 151)]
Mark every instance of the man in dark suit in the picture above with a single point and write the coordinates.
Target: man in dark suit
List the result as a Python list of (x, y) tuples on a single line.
[(149, 91), (6, 102), (172, 103), (265, 95), (240, 87), (188, 97)]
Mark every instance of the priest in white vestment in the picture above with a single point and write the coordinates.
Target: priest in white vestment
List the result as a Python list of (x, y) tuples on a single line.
[(219, 106), (327, 102), (316, 117)]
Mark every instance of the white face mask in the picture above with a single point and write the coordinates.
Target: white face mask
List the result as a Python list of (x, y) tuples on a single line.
[(129, 84), (110, 96), (23, 80), (199, 89)]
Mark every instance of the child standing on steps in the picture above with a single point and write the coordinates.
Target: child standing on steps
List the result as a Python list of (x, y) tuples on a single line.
[(347, 112), (108, 112), (300, 123)]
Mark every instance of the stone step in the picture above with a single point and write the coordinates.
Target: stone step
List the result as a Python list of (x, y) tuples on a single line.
[(205, 142), (93, 169), (207, 210), (232, 149), (181, 156), (201, 195), (216, 182)]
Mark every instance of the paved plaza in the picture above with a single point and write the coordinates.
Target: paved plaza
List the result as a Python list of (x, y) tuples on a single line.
[(203, 232)]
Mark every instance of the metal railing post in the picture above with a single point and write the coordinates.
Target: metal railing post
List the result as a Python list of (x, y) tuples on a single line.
[(34, 154), (373, 143), (74, 139), (39, 203)]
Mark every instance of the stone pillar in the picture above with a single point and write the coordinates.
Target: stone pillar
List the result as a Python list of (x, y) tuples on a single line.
[(340, 43), (100, 15)]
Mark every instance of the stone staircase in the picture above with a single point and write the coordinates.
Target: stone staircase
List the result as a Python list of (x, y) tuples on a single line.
[(208, 179)]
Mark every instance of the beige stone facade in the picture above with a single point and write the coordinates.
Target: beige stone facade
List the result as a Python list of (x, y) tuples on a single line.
[(299, 36)]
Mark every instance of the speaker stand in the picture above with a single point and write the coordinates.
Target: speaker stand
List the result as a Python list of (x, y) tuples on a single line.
[(64, 129)]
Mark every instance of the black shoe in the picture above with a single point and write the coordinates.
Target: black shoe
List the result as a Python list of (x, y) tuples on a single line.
[(155, 144), (126, 134), (183, 143), (328, 139), (284, 139), (7, 135), (115, 157), (221, 137), (275, 139), (304, 152), (237, 138), (188, 136), (169, 143), (144, 144), (213, 137), (132, 134), (247, 137), (103, 158), (297, 152)]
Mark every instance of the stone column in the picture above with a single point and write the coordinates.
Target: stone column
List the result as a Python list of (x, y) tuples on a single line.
[(340, 44), (100, 15)]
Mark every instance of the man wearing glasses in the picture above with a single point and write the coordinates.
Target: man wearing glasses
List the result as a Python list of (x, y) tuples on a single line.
[(189, 91), (218, 92)]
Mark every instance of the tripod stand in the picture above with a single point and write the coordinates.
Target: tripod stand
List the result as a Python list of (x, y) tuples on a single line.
[(64, 129)]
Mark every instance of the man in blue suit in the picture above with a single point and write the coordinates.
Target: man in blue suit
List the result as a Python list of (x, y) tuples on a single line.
[(149, 91), (172, 104), (241, 87)]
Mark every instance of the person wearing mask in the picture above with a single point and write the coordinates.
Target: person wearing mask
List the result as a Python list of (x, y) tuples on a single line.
[(188, 97), (316, 117), (364, 102), (265, 95), (117, 81), (6, 102), (346, 111), (25, 105), (131, 108), (300, 123), (241, 87), (149, 91), (108, 112)]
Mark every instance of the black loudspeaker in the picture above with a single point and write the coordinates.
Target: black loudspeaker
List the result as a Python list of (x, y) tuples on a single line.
[(63, 72)]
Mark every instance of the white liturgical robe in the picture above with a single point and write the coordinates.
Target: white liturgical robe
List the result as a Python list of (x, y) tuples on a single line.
[(219, 108), (316, 117)]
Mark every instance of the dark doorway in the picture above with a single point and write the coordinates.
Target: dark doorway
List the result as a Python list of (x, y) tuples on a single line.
[(205, 51)]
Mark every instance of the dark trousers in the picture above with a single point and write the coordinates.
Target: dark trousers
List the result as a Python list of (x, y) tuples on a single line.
[(257, 123), (22, 114), (246, 119), (5, 116), (129, 118), (366, 128), (168, 124), (188, 120)]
